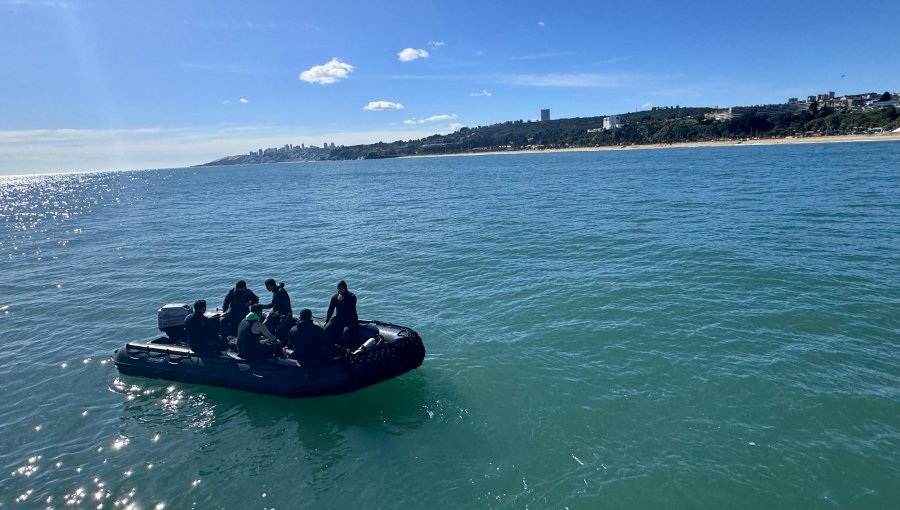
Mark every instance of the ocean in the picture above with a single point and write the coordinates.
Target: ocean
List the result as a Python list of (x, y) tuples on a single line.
[(681, 329)]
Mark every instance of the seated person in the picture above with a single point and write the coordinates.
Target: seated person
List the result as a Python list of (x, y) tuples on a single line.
[(250, 343), (309, 343), (342, 328), (202, 331)]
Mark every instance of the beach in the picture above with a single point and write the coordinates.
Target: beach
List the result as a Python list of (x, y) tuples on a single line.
[(884, 137)]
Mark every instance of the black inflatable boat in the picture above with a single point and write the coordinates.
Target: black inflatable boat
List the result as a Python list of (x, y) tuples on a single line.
[(385, 351)]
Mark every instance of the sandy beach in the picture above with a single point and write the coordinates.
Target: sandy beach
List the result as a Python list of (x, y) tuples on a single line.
[(884, 137)]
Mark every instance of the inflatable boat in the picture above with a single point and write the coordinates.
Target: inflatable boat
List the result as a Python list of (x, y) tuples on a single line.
[(383, 351)]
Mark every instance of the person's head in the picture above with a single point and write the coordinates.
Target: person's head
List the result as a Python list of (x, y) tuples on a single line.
[(200, 306), (256, 308), (241, 284), (306, 314), (342, 287), (270, 284)]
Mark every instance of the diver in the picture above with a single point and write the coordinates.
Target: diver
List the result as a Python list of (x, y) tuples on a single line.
[(308, 341), (250, 344), (236, 306), (342, 329), (281, 318), (203, 331)]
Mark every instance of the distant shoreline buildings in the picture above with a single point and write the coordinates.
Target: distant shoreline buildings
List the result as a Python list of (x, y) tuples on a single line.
[(869, 100), (801, 118), (288, 148)]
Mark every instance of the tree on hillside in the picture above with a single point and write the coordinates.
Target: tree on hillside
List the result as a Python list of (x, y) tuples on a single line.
[(814, 107), (885, 97), (890, 113)]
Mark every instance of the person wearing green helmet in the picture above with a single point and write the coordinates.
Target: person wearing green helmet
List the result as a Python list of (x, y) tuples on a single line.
[(250, 342)]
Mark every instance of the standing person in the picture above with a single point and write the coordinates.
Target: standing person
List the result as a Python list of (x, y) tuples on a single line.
[(236, 306), (342, 330), (308, 341), (202, 331), (280, 319), (250, 343)]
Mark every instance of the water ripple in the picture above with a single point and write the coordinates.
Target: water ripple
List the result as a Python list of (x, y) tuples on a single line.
[(674, 329)]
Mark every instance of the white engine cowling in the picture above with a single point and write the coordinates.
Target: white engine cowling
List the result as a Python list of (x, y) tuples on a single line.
[(172, 315)]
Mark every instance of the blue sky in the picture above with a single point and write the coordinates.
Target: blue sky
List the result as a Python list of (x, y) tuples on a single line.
[(153, 84)]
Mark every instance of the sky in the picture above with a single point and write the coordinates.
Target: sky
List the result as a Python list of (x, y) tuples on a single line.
[(117, 85)]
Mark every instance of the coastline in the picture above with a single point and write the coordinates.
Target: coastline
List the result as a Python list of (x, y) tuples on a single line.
[(884, 137)]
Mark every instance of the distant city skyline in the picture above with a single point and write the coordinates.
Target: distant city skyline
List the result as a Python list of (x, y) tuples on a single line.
[(98, 86)]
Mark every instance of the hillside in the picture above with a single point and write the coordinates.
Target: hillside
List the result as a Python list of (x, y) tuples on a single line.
[(657, 126)]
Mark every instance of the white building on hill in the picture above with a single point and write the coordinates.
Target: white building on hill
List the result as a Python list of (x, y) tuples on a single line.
[(611, 122)]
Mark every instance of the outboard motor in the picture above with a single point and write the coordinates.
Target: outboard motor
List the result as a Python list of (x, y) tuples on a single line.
[(171, 320)]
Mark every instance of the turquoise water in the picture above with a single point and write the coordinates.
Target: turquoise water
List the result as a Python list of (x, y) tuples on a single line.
[(683, 328)]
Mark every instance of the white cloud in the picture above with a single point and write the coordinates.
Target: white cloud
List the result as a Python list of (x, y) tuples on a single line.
[(243, 101), (540, 23), (410, 54), (383, 105), (226, 101), (439, 118), (456, 126), (435, 44), (483, 93), (433, 118), (646, 106), (327, 74)]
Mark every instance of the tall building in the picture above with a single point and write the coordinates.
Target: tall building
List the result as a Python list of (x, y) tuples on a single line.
[(545, 115), (611, 122)]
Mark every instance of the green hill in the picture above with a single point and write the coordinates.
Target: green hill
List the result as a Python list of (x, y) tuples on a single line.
[(657, 126)]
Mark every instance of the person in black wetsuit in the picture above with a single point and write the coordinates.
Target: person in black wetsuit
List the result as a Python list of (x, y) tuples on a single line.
[(281, 318), (309, 343), (202, 331), (236, 306), (250, 343), (342, 329)]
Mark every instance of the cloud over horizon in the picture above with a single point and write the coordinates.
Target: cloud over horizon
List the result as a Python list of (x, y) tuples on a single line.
[(383, 105), (410, 54), (36, 151), (483, 93), (328, 73), (433, 118)]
